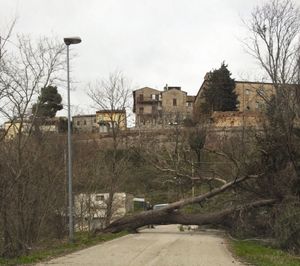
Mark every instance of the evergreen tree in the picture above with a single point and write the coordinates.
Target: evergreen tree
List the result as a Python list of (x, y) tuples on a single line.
[(49, 102), (219, 94)]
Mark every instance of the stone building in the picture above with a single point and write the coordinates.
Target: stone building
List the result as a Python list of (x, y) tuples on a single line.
[(155, 108), (85, 123), (101, 122), (252, 97), (190, 105), (147, 106)]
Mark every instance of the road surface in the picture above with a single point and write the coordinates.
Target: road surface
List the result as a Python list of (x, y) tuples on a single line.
[(162, 246)]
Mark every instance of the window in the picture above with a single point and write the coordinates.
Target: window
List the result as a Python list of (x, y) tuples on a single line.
[(141, 110), (175, 102), (247, 91), (94, 120), (78, 123), (141, 97), (99, 197), (153, 96), (84, 122), (188, 104)]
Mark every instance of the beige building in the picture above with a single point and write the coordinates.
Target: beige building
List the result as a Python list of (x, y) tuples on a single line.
[(252, 96), (103, 121), (108, 119), (12, 129), (49, 125), (155, 108)]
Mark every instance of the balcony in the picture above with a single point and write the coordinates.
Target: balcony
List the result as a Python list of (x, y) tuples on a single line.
[(147, 100)]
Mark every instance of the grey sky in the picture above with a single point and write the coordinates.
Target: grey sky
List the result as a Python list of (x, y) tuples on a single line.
[(153, 42)]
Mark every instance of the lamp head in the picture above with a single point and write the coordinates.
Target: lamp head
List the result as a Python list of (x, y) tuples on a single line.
[(72, 40)]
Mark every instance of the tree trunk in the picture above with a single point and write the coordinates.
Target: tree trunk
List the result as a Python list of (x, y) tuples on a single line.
[(131, 223)]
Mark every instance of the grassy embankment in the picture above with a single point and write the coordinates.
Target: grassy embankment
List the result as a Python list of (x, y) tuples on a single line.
[(260, 255), (59, 248)]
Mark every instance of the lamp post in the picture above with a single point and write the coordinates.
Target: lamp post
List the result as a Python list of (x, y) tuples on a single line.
[(68, 42)]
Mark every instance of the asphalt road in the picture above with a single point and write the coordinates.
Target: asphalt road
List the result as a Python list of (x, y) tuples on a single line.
[(162, 246)]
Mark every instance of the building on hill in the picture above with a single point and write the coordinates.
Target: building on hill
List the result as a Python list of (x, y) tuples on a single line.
[(49, 125), (252, 97), (108, 119), (101, 122), (174, 105), (190, 105), (85, 123), (155, 108), (13, 128), (147, 106)]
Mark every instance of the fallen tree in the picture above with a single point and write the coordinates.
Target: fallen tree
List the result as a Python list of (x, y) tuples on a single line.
[(171, 214), (132, 223)]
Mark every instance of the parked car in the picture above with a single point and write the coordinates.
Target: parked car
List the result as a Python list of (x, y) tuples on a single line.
[(160, 206)]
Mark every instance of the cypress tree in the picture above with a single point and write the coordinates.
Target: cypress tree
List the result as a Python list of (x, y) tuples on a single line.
[(49, 102), (219, 94)]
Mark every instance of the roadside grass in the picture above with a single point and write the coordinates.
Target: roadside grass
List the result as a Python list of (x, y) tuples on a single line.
[(59, 248), (260, 255)]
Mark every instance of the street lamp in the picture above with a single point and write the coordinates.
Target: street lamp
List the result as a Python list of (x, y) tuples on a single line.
[(68, 42)]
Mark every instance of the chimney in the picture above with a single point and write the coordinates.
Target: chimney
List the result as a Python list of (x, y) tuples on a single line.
[(166, 87)]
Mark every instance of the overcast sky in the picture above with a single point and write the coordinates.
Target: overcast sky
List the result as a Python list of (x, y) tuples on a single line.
[(153, 42)]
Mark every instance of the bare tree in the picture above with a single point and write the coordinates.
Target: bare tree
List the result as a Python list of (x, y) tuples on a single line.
[(112, 95), (176, 159), (5, 37), (24, 70), (275, 31), (274, 39)]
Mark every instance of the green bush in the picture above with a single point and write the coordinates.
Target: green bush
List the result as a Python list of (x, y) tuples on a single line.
[(287, 225)]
